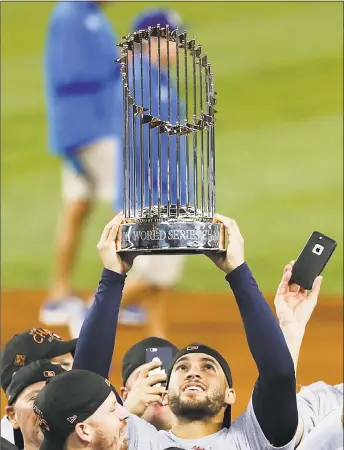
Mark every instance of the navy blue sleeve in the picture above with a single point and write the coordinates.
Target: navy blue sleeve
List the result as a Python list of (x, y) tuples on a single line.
[(274, 395), (96, 342)]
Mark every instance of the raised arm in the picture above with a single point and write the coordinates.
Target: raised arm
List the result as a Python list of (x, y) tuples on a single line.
[(274, 396), (294, 308), (98, 333)]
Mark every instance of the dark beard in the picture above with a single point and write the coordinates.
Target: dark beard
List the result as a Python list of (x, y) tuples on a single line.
[(193, 411)]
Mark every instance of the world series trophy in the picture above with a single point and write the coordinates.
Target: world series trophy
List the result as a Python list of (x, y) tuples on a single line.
[(168, 145)]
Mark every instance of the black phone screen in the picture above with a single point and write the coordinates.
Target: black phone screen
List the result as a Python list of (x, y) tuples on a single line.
[(163, 353)]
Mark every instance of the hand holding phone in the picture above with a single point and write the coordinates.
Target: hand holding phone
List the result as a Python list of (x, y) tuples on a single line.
[(294, 307), (157, 371), (147, 389), (312, 260), (164, 354)]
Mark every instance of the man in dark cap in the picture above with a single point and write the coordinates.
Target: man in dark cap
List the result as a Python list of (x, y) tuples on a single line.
[(77, 410), (25, 348), (195, 401), (142, 383), (200, 391), (26, 383)]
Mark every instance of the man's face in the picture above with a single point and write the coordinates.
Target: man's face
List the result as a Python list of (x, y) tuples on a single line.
[(22, 416), (198, 388), (155, 414), (109, 424), (65, 361), (163, 51)]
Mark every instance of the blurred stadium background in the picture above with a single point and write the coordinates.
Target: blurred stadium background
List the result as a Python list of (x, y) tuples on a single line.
[(279, 77)]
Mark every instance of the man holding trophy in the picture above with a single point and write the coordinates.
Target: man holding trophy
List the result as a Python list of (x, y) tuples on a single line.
[(200, 390)]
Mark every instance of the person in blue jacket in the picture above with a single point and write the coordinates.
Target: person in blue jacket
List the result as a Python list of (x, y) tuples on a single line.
[(152, 275), (84, 127)]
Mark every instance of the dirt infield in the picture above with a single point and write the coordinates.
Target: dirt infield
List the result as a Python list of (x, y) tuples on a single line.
[(213, 319)]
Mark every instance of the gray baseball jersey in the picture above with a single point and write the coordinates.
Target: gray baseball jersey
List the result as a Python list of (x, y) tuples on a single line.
[(316, 401), (244, 434), (328, 434)]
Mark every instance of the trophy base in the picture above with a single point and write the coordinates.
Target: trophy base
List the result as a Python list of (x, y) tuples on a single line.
[(176, 237)]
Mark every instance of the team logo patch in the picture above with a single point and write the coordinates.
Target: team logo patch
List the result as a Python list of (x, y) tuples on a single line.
[(192, 347), (72, 419), (19, 360), (49, 373), (57, 337), (39, 335), (43, 424)]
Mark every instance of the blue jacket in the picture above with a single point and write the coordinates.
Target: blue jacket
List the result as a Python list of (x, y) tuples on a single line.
[(81, 79)]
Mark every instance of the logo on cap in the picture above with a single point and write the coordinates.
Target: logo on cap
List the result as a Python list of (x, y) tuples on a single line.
[(41, 421), (72, 419), (49, 373), (192, 347), (39, 334), (19, 360), (57, 337)]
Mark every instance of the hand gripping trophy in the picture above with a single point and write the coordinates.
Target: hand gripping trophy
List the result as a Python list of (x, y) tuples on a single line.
[(168, 145)]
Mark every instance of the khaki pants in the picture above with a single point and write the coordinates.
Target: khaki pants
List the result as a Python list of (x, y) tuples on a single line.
[(99, 161)]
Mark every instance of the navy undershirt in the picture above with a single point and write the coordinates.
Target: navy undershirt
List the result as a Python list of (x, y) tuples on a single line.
[(274, 395), (97, 337)]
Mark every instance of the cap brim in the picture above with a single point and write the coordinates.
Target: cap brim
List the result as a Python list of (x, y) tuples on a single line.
[(118, 397), (62, 348)]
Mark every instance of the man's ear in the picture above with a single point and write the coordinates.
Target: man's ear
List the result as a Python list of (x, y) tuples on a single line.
[(164, 398), (10, 413), (124, 393), (230, 396), (83, 432)]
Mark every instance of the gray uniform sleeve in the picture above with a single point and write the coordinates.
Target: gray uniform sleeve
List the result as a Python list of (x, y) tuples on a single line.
[(141, 434), (316, 401), (248, 434), (327, 435)]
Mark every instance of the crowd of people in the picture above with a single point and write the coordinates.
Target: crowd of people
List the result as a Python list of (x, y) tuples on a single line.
[(59, 395)]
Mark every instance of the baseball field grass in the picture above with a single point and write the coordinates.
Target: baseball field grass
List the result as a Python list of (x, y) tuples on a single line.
[(279, 77)]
